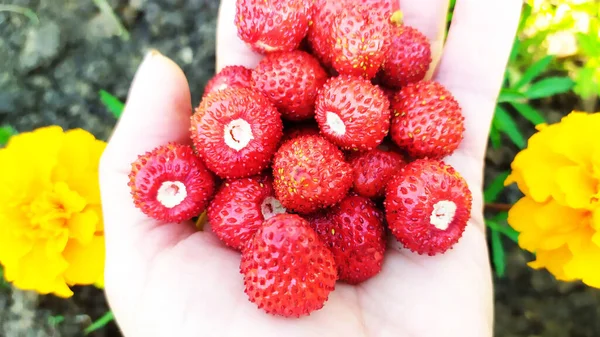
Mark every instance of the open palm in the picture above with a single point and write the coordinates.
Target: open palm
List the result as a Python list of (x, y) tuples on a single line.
[(170, 280)]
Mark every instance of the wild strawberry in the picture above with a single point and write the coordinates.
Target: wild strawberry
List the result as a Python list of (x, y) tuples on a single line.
[(427, 205), (287, 269), (362, 39), (170, 183), (426, 120), (273, 25), (319, 33), (309, 174), (291, 81), (300, 129), (352, 113), (229, 77), (353, 230), (236, 131), (408, 58), (373, 169), (239, 208)]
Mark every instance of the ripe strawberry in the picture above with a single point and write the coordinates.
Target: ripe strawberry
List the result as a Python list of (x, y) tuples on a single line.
[(170, 183), (408, 58), (309, 174), (352, 113), (427, 205), (353, 230), (229, 77), (426, 120), (287, 270), (239, 208), (236, 131), (362, 39), (273, 25), (373, 169), (291, 81)]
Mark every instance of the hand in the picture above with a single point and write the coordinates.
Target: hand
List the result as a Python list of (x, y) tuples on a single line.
[(170, 280)]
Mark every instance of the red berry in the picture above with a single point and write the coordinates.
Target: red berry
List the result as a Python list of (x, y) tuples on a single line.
[(427, 205), (229, 77), (273, 25), (287, 270), (427, 120), (362, 39), (319, 33), (291, 81), (309, 174), (408, 58), (170, 183), (373, 169), (353, 113), (236, 131), (239, 208), (353, 230)]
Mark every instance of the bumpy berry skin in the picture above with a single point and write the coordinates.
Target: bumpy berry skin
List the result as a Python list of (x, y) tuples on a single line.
[(287, 270), (240, 207), (175, 163), (427, 121), (373, 169), (362, 40), (229, 77), (273, 25), (309, 174), (408, 58), (362, 107), (291, 81), (211, 129), (410, 201), (353, 230)]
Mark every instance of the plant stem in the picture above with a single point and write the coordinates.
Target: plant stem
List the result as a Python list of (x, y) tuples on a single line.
[(497, 207), (106, 9), (21, 10)]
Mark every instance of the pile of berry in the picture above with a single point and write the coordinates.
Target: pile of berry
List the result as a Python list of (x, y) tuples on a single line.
[(305, 163)]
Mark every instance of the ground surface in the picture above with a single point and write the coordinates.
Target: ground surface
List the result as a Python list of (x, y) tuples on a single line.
[(51, 73)]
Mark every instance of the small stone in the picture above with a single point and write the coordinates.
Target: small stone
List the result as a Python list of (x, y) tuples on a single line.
[(42, 46)]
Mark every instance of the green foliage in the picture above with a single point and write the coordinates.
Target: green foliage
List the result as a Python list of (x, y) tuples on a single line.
[(113, 104), (21, 10), (3, 282), (100, 322), (55, 320), (6, 131)]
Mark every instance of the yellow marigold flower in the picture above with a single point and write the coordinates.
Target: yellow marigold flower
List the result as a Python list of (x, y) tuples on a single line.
[(51, 229), (559, 217)]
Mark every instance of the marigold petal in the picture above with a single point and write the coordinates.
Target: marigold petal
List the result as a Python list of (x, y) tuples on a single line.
[(12, 246), (577, 137), (554, 261), (61, 289), (56, 244), (82, 226), (578, 186), (37, 270), (584, 265), (86, 263)]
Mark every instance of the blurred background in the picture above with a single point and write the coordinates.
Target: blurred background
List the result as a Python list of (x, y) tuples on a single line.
[(70, 63)]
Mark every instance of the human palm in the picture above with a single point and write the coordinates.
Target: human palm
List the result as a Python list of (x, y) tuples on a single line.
[(171, 280)]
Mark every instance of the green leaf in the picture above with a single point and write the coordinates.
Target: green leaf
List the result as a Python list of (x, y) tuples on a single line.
[(495, 137), (508, 95), (588, 44), (529, 113), (534, 71), (100, 322), (56, 320), (587, 83), (500, 217), (549, 87), (498, 255), (514, 52), (506, 124), (525, 13), (504, 229), (6, 131), (490, 194), (3, 282), (113, 104)]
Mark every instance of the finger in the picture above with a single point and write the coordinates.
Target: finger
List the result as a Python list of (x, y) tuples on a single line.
[(475, 56), (157, 111), (231, 50), (429, 17)]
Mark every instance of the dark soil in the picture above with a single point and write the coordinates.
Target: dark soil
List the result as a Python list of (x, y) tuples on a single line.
[(50, 73)]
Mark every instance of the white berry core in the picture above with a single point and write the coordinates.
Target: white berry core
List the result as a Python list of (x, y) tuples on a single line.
[(171, 193), (238, 134), (264, 46), (335, 123), (443, 214), (271, 207)]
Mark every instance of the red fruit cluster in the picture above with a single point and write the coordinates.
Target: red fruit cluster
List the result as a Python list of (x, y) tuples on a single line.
[(320, 150)]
